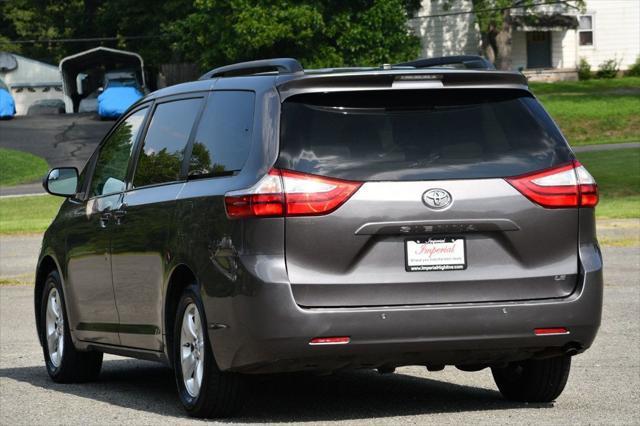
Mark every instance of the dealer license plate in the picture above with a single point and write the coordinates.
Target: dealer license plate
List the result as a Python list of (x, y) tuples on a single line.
[(435, 254)]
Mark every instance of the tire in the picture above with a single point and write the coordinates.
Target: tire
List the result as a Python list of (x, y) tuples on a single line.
[(533, 380), (65, 364), (219, 393)]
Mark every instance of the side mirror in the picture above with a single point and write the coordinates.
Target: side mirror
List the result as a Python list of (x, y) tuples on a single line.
[(62, 181)]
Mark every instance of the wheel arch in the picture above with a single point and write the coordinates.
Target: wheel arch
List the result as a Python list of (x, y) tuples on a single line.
[(46, 265), (181, 277)]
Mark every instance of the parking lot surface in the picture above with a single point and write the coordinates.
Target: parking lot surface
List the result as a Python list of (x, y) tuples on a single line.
[(62, 140), (604, 386)]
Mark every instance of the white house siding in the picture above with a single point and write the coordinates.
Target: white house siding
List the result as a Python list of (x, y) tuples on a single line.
[(446, 35), (519, 49), (563, 49), (616, 32)]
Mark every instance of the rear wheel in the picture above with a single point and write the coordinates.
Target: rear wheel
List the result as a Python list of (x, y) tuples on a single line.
[(204, 390), (533, 380), (65, 364)]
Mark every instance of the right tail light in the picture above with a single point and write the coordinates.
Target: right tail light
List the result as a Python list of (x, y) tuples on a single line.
[(569, 185)]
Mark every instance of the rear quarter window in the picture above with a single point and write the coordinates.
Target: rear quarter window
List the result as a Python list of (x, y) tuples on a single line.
[(419, 135), (223, 139)]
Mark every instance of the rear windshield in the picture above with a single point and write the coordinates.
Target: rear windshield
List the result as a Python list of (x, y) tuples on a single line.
[(419, 135)]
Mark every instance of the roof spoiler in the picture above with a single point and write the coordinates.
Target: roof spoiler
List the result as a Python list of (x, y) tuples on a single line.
[(468, 61), (280, 65)]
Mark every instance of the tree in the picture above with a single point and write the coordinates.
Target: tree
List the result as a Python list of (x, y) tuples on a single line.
[(79, 19), (320, 33), (495, 20), (216, 32)]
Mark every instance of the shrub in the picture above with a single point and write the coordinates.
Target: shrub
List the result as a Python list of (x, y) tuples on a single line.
[(608, 69), (634, 70), (584, 70)]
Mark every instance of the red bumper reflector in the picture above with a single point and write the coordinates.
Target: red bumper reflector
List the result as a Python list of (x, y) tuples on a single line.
[(553, 330), (329, 340)]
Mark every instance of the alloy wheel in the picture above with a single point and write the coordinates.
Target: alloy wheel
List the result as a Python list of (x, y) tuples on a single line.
[(55, 328), (192, 350)]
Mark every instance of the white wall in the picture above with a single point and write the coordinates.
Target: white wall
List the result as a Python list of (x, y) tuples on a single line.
[(446, 35), (616, 33), (563, 51), (519, 49)]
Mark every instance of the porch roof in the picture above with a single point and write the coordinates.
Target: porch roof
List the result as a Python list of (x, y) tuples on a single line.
[(545, 22)]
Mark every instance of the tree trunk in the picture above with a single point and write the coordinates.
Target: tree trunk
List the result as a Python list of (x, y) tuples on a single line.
[(503, 43), (488, 50)]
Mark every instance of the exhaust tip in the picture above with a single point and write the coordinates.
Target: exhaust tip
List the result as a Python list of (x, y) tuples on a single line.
[(572, 349)]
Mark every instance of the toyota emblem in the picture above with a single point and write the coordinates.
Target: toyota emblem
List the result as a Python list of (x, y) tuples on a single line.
[(437, 199)]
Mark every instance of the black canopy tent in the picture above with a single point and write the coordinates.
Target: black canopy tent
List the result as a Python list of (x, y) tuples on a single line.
[(94, 63)]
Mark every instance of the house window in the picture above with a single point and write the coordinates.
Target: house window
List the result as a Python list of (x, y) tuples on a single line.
[(585, 30)]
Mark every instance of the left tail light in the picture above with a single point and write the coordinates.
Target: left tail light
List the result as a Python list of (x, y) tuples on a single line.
[(570, 185), (289, 193)]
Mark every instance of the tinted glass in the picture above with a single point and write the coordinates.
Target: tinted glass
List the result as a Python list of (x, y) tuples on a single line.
[(113, 159), (223, 139), (418, 135), (163, 150)]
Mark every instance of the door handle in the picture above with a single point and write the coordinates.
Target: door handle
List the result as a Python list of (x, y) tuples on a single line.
[(104, 219), (120, 213)]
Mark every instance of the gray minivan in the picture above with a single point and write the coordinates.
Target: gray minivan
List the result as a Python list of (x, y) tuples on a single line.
[(268, 218)]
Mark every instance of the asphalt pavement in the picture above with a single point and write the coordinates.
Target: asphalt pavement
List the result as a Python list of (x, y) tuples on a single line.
[(61, 139), (19, 255), (603, 388)]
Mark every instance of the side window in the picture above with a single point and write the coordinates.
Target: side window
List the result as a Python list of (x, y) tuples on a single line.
[(585, 30), (223, 139), (111, 168), (163, 150)]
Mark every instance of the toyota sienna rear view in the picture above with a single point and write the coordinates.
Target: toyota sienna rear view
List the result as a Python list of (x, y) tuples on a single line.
[(271, 219)]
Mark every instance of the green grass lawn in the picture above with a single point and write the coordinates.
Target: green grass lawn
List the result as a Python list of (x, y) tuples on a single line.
[(22, 215), (18, 167), (618, 175), (594, 111)]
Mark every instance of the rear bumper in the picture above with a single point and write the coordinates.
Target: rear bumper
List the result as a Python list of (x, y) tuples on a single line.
[(268, 332)]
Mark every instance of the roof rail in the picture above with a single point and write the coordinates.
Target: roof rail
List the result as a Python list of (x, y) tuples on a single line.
[(281, 65), (468, 61)]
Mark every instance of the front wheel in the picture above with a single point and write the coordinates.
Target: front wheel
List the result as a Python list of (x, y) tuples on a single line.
[(65, 364), (533, 380), (204, 390)]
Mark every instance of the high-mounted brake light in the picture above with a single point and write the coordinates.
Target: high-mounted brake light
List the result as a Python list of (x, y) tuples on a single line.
[(289, 193), (569, 185)]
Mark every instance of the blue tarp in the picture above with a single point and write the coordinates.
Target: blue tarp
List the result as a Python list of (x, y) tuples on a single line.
[(7, 105), (115, 100)]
